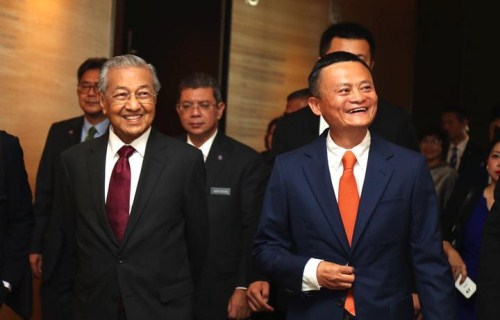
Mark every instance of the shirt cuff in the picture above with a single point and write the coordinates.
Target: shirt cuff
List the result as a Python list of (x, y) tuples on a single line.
[(241, 288), (309, 277)]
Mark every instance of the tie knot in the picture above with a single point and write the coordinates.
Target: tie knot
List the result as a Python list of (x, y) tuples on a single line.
[(126, 151), (90, 134), (348, 160)]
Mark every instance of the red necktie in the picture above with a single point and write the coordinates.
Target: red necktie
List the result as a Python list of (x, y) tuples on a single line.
[(348, 206), (118, 200)]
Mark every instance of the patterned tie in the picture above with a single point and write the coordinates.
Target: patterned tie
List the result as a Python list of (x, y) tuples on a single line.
[(348, 206), (118, 200), (454, 157), (90, 134)]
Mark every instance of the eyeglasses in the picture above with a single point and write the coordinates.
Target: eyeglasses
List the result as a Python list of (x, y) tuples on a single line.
[(142, 96), (202, 105), (86, 87)]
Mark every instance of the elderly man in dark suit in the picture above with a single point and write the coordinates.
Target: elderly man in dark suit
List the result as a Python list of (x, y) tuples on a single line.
[(236, 178), (132, 206), (55, 299), (16, 226), (345, 258)]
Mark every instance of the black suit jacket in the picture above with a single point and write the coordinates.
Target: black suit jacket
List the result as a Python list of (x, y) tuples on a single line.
[(156, 267), (16, 225), (302, 127), (62, 135), (236, 179)]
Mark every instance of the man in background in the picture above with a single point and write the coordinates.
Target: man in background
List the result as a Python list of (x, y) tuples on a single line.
[(303, 126), (236, 178), (55, 299), (297, 100), (463, 154)]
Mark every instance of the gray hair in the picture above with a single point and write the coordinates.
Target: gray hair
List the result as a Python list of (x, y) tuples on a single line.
[(126, 61)]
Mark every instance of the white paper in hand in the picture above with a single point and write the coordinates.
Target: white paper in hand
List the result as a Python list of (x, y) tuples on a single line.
[(467, 288)]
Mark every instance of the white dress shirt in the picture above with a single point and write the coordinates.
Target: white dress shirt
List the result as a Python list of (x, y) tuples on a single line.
[(135, 160)]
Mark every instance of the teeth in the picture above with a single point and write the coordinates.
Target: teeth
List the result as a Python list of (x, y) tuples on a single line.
[(132, 117), (357, 110)]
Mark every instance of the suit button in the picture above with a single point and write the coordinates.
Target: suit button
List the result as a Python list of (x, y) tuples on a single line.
[(120, 261)]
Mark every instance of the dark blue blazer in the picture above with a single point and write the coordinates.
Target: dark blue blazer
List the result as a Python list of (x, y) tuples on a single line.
[(396, 235)]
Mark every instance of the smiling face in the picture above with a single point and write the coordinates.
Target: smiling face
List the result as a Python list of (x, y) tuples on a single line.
[(347, 100), (130, 117)]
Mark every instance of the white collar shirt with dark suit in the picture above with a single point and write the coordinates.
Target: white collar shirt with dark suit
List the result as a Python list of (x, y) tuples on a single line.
[(236, 178), (156, 267), (396, 244)]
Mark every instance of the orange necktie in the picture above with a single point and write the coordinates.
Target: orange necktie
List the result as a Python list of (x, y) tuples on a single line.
[(348, 206)]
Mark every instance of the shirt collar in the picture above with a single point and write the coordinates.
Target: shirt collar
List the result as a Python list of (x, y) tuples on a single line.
[(360, 151), (139, 144), (205, 147), (101, 127)]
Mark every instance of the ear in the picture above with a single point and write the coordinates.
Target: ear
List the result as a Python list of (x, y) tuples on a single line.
[(220, 107), (101, 102), (314, 105)]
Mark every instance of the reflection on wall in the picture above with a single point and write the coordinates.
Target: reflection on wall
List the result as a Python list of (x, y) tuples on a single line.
[(42, 43)]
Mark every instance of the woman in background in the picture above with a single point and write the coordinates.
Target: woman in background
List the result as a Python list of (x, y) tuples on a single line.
[(443, 175), (463, 224)]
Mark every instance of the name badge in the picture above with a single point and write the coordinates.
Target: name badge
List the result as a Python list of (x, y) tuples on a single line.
[(220, 191)]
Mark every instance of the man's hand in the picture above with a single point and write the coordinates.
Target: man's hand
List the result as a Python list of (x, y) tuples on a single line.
[(237, 307), (335, 276), (258, 296), (36, 264), (416, 307)]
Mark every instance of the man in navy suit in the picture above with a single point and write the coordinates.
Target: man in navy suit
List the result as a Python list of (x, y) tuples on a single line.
[(396, 245), (236, 178), (56, 299)]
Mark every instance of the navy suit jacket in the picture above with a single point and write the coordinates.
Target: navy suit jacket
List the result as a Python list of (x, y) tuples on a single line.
[(396, 235)]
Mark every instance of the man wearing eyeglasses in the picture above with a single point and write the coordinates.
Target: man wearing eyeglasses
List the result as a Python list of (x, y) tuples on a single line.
[(48, 260), (132, 207), (236, 179)]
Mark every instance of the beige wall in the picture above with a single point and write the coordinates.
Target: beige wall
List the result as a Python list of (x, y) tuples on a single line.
[(42, 43)]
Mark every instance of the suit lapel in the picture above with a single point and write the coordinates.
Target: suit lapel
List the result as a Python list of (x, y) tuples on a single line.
[(215, 159), (318, 176), (75, 131), (97, 163), (378, 174), (155, 158)]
